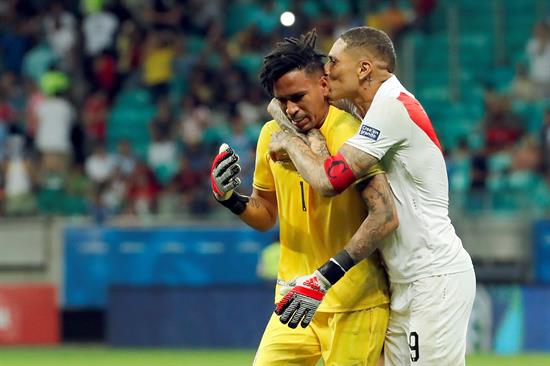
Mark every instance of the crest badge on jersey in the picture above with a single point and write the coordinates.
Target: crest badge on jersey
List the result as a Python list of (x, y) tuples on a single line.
[(369, 132)]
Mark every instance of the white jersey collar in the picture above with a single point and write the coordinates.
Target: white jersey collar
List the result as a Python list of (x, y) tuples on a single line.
[(389, 88)]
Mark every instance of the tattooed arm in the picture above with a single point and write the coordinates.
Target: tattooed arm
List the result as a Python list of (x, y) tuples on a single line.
[(304, 295), (311, 166), (318, 143), (381, 220), (261, 210)]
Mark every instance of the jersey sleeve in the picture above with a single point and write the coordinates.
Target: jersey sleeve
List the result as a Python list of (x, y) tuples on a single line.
[(263, 177), (384, 127), (374, 170), (340, 133)]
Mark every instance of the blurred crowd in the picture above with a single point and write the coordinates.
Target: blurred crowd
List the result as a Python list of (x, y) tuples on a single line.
[(511, 168), (112, 107)]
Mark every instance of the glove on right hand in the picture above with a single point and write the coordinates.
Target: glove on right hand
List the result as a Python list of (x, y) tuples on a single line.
[(224, 171)]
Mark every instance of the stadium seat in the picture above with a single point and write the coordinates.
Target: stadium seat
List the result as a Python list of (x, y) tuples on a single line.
[(133, 97)]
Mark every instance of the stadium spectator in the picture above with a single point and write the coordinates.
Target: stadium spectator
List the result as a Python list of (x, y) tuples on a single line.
[(162, 152), (158, 56), (479, 175), (51, 186), (34, 99), (124, 159), (502, 127), (522, 87), (143, 191), (186, 187), (393, 19), (251, 108), (99, 28), (128, 47), (458, 167), (94, 116), (114, 195), (98, 211), (423, 10), (78, 191), (3, 139), (99, 165), (525, 156), (217, 49), (162, 125), (545, 144), (55, 115), (105, 73), (162, 158), (79, 142), (14, 43), (199, 157), (164, 14), (38, 60), (538, 53), (243, 140), (19, 180), (8, 108), (193, 120), (61, 34)]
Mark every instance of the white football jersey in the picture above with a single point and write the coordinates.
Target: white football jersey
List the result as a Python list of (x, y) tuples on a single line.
[(397, 131)]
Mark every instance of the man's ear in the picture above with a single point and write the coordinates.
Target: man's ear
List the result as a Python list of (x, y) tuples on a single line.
[(364, 69), (323, 82)]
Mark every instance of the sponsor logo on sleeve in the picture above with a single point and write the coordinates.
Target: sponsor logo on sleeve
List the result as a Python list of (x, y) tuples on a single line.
[(369, 132)]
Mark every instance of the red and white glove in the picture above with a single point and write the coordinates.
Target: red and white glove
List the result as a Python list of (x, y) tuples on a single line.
[(302, 297), (224, 180), (223, 174)]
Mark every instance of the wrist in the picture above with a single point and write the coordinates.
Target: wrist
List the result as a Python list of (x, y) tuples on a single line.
[(225, 197), (236, 202), (336, 267)]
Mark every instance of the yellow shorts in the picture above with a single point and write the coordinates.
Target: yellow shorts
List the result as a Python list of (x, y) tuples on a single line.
[(341, 339)]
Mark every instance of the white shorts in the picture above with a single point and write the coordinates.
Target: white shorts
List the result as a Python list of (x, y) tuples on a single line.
[(429, 319)]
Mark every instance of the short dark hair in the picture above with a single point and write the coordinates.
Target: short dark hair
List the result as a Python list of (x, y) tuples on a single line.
[(291, 54), (374, 40)]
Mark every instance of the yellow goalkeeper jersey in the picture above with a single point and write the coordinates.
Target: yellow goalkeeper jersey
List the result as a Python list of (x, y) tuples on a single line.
[(313, 228)]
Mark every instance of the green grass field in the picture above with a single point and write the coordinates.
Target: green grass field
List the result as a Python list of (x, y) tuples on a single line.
[(103, 356)]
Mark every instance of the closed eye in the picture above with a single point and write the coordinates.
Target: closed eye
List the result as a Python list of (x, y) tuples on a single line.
[(296, 98)]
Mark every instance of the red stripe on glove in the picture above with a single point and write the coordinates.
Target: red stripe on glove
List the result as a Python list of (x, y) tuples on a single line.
[(215, 163)]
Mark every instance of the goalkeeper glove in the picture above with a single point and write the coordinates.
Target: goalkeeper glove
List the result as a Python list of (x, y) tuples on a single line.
[(223, 178), (303, 295)]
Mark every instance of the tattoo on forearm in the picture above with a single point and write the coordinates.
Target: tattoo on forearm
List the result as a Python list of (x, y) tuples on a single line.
[(254, 202), (358, 161), (318, 144), (322, 151), (379, 222), (308, 164)]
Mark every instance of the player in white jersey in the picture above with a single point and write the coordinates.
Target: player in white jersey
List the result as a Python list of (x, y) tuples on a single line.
[(432, 277)]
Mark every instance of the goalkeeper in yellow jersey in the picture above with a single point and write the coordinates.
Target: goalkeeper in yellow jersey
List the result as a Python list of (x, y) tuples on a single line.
[(350, 323)]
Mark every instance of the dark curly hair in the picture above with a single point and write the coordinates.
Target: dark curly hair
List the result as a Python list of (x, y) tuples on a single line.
[(291, 54)]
